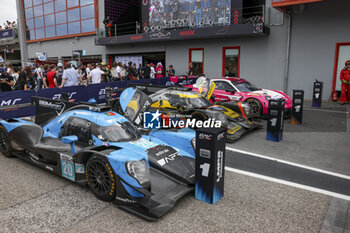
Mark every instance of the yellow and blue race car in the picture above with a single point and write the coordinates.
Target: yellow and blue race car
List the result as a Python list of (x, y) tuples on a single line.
[(178, 101)]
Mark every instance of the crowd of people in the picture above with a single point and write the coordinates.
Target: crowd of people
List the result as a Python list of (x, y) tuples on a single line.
[(52, 76), (8, 25)]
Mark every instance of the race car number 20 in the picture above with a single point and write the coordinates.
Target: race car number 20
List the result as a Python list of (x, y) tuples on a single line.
[(67, 167)]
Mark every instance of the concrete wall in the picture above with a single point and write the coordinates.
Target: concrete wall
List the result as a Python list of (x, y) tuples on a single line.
[(314, 36), (315, 33)]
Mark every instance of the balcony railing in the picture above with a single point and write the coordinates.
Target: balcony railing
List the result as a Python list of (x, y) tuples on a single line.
[(247, 15), (9, 36)]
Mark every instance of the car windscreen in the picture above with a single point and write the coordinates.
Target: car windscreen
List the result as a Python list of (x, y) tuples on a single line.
[(115, 133), (245, 86), (199, 102)]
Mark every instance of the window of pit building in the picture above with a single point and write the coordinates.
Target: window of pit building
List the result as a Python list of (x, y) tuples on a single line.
[(55, 19), (196, 57), (230, 61)]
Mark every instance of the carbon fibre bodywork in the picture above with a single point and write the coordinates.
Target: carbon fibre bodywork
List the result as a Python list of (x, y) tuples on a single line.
[(149, 172)]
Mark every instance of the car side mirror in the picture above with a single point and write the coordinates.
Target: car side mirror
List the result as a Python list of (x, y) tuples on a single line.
[(160, 103), (70, 140)]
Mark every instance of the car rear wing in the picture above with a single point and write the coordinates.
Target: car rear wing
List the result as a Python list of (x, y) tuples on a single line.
[(46, 109), (150, 89)]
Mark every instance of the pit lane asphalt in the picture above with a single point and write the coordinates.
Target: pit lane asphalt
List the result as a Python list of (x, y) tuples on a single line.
[(34, 200)]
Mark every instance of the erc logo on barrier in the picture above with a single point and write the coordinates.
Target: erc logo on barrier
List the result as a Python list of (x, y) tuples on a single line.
[(157, 120), (10, 102)]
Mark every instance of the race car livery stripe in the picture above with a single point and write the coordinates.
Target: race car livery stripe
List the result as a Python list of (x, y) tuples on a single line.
[(241, 108)]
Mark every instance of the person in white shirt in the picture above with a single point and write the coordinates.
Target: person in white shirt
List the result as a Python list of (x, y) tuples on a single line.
[(153, 71), (70, 77), (88, 69), (39, 76), (96, 75), (117, 72)]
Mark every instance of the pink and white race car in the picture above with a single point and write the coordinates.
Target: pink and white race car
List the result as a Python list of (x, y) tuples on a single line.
[(231, 89)]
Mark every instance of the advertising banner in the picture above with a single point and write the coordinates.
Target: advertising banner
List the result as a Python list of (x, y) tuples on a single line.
[(126, 59), (15, 97), (75, 94), (6, 34)]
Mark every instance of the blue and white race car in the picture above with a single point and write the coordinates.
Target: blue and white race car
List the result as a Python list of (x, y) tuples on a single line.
[(142, 173)]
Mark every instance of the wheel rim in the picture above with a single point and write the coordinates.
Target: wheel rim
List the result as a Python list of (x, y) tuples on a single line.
[(4, 142), (99, 178), (255, 107)]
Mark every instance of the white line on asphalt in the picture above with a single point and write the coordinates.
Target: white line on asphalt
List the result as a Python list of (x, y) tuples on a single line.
[(290, 163), (325, 110), (316, 190)]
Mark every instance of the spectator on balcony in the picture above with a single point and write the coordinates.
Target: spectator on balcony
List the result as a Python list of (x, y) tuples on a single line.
[(70, 77), (171, 71), (159, 70), (108, 24)]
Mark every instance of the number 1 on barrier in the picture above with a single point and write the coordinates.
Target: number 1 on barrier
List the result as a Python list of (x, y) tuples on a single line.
[(273, 122), (205, 169)]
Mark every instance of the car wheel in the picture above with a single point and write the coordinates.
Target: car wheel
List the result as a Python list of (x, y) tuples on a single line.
[(5, 142), (256, 107), (101, 178)]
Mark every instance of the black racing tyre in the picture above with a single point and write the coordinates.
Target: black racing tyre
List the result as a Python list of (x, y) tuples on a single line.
[(256, 106), (101, 178), (5, 142)]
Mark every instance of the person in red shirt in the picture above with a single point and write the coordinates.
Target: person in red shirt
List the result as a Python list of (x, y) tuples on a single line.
[(51, 77), (159, 70), (345, 85)]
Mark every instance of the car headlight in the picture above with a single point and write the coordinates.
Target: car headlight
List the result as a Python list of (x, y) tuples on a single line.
[(267, 97), (140, 171), (193, 143)]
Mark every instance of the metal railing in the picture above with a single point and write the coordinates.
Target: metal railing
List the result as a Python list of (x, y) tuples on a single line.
[(247, 15)]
